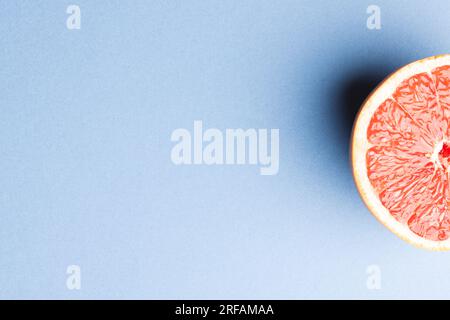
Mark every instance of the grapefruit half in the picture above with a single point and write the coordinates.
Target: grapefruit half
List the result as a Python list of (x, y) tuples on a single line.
[(400, 152)]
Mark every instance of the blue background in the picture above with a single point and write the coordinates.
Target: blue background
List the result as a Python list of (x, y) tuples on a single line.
[(85, 171)]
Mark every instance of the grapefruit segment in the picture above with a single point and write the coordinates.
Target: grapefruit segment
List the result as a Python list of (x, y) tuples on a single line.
[(389, 165), (401, 152), (417, 95), (441, 77)]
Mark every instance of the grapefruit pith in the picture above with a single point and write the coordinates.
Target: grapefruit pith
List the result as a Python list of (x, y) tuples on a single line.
[(400, 152)]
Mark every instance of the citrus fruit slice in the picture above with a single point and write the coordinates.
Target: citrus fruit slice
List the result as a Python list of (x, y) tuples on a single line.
[(400, 152)]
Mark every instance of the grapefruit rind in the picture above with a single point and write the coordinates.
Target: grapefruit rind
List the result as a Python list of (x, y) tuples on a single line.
[(360, 145)]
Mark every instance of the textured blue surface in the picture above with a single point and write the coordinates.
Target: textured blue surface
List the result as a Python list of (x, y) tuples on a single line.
[(85, 170)]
